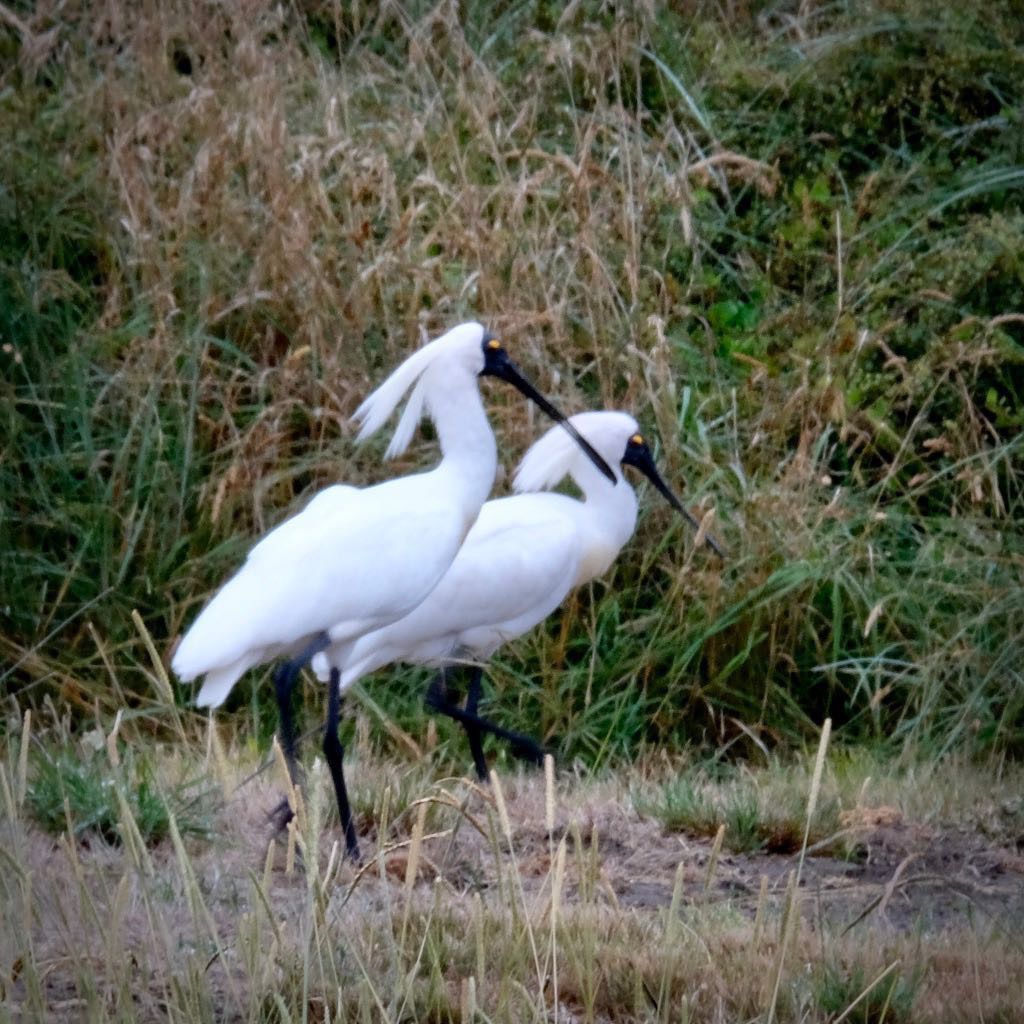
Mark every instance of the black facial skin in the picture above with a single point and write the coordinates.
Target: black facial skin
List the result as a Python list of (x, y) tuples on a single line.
[(638, 455), (498, 364)]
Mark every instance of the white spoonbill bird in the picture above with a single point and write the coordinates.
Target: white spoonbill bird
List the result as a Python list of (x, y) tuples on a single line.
[(355, 559), (520, 560)]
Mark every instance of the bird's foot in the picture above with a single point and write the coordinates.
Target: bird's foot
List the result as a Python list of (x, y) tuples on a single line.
[(352, 850), (526, 749), (281, 816), (437, 697)]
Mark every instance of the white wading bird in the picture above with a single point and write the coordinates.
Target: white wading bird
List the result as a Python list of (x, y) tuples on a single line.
[(357, 559), (520, 560)]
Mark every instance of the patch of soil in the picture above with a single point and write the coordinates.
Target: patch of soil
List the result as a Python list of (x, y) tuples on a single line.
[(902, 876), (896, 875)]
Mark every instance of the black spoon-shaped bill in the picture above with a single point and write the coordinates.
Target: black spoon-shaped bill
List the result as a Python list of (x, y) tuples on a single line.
[(638, 455), (497, 364)]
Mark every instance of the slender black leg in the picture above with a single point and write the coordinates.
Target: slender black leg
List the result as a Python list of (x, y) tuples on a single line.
[(439, 693), (473, 733), (439, 699), (442, 698), (334, 752), (285, 678)]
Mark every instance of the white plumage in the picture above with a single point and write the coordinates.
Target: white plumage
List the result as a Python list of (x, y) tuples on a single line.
[(356, 559), (521, 558)]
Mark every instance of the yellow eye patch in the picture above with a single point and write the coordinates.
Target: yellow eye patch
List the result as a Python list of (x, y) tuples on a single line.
[(494, 344), (637, 439)]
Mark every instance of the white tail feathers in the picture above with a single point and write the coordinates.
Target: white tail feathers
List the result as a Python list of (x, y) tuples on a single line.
[(218, 683)]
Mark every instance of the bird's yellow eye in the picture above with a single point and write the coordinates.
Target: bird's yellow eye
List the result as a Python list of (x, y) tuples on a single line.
[(637, 439), (494, 344)]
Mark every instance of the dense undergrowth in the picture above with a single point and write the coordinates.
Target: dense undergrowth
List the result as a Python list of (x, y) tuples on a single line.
[(787, 236)]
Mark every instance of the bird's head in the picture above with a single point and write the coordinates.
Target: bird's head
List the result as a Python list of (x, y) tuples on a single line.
[(497, 363), (468, 345), (616, 436)]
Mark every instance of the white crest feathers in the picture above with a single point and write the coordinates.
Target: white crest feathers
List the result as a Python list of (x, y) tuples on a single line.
[(556, 455), (548, 460), (378, 407), (410, 418)]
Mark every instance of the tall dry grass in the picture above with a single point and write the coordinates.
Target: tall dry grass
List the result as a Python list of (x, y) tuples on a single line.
[(789, 254)]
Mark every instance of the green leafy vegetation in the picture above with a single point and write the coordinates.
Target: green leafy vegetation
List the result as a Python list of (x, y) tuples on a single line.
[(73, 790)]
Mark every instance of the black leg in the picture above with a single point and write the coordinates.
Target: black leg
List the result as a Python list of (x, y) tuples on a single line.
[(473, 733), (440, 700), (334, 752), (285, 678)]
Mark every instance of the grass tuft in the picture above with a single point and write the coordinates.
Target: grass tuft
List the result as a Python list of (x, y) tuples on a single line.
[(76, 790), (852, 996), (764, 810)]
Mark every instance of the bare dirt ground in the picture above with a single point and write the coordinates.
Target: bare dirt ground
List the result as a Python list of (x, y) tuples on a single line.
[(902, 875), (906, 876), (895, 875)]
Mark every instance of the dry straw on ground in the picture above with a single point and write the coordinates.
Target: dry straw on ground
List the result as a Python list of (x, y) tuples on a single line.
[(531, 899)]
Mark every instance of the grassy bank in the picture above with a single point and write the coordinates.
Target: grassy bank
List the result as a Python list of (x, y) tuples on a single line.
[(788, 239)]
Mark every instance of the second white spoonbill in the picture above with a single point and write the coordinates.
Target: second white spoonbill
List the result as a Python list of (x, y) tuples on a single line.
[(355, 559), (521, 559)]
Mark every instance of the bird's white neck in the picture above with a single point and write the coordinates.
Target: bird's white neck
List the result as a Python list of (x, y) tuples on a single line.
[(470, 457), (611, 510)]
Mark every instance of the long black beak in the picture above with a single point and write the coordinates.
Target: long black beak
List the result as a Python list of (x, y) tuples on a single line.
[(498, 364), (639, 456)]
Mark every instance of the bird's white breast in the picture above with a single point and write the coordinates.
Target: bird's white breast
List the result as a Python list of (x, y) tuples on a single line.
[(597, 558)]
